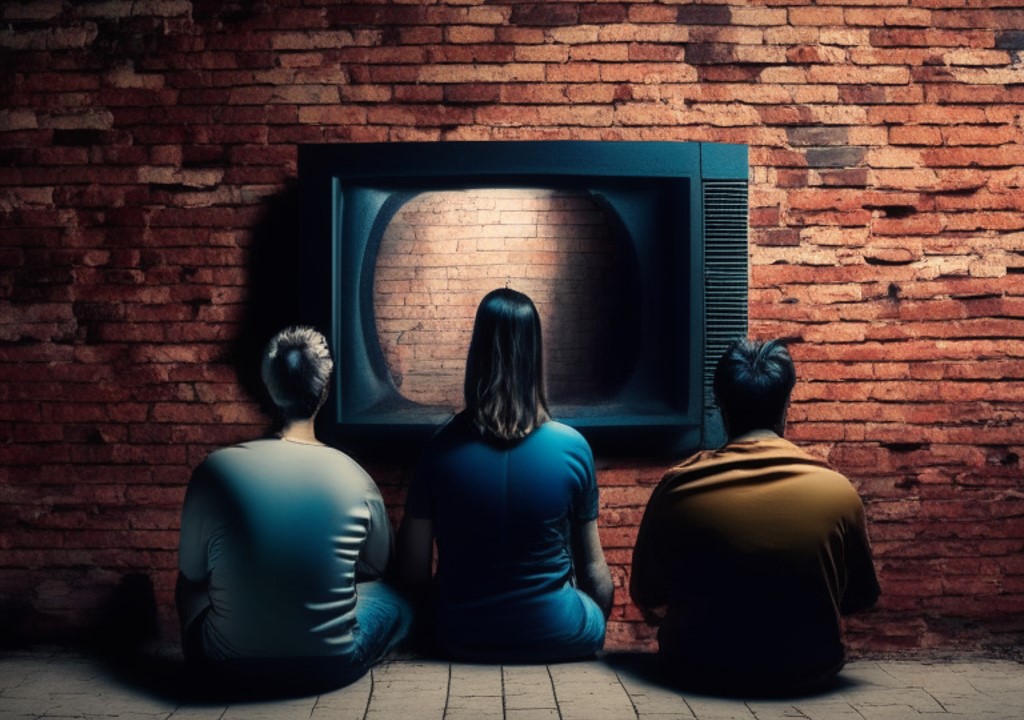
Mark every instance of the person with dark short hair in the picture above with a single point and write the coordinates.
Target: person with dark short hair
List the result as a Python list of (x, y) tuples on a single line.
[(511, 498), (747, 556), (283, 544)]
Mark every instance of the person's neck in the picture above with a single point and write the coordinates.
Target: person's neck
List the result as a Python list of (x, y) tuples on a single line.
[(759, 434), (300, 431)]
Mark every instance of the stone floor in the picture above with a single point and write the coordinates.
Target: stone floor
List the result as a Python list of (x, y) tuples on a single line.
[(61, 684)]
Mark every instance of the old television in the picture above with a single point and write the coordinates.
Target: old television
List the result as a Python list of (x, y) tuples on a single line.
[(635, 252)]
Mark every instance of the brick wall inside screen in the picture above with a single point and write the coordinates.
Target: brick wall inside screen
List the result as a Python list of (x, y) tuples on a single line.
[(444, 251), (147, 167)]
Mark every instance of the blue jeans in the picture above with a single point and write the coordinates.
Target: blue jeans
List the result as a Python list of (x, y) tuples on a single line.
[(383, 619), (573, 631)]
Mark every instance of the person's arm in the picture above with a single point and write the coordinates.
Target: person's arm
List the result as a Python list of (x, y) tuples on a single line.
[(191, 598), (647, 586), (416, 534), (191, 592), (415, 555), (862, 589), (592, 573), (375, 554)]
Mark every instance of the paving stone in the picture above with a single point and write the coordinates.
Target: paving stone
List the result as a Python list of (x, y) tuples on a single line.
[(528, 687), (709, 708), (407, 690), (474, 693), (474, 681), (348, 702), (651, 701), (531, 714), (210, 712), (65, 686), (590, 691)]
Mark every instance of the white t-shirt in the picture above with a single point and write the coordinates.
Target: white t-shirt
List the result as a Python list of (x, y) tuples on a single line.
[(279, 531)]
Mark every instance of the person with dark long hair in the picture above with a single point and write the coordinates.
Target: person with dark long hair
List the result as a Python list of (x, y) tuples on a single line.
[(510, 496)]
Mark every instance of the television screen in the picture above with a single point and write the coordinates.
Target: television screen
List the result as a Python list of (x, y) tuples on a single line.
[(634, 253), (444, 250)]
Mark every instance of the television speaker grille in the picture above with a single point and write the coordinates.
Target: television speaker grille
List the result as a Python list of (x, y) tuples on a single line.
[(725, 271)]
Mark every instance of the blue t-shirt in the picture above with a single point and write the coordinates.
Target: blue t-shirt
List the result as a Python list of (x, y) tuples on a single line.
[(503, 515)]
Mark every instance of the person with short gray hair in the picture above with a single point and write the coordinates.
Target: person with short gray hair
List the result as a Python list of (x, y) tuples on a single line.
[(296, 370), (283, 544)]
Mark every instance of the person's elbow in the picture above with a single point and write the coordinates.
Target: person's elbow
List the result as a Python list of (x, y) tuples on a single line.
[(597, 583), (651, 603), (415, 554), (853, 603)]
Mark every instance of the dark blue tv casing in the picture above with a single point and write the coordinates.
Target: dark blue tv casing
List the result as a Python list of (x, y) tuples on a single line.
[(681, 208)]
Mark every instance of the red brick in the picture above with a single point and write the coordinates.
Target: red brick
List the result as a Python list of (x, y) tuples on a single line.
[(541, 15), (982, 135), (915, 135)]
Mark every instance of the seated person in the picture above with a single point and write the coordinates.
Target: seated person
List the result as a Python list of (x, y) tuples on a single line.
[(511, 498), (282, 544), (747, 555)]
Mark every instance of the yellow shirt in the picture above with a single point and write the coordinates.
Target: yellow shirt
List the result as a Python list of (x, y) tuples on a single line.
[(753, 550)]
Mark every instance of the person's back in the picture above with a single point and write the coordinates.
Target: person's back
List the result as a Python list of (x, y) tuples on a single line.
[(511, 498), (279, 527), (503, 515), (747, 556), (283, 541), (754, 543)]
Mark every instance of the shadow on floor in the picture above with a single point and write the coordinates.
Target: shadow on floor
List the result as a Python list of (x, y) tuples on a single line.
[(645, 667), (167, 677)]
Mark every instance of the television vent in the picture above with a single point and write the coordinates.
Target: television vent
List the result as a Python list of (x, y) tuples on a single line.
[(725, 271)]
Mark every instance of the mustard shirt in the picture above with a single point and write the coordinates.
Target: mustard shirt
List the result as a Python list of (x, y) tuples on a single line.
[(754, 550)]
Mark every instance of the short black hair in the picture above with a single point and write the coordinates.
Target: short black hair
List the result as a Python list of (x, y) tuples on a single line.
[(753, 382)]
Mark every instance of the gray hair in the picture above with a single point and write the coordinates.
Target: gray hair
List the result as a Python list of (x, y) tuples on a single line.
[(296, 369)]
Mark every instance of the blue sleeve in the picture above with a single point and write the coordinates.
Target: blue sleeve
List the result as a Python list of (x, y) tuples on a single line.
[(587, 504)]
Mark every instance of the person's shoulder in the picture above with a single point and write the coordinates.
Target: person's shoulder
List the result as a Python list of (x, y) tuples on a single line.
[(808, 457), (452, 435), (455, 427), (559, 428), (691, 463), (555, 431), (824, 477), (839, 484), (220, 460), (239, 456)]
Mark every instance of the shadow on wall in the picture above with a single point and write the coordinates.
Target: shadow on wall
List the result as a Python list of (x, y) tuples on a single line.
[(273, 289), (127, 621), (15, 622), (124, 623)]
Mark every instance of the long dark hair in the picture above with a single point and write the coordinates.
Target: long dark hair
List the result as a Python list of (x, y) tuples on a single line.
[(505, 395)]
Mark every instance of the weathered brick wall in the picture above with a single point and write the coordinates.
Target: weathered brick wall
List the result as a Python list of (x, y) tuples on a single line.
[(147, 153)]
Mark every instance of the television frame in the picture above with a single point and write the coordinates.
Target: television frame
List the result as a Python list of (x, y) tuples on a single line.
[(681, 206)]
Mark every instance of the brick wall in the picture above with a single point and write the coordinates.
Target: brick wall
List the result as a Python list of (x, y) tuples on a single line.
[(147, 159)]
